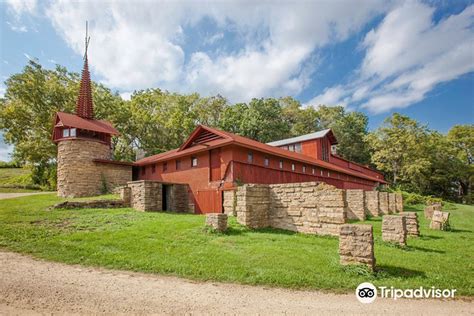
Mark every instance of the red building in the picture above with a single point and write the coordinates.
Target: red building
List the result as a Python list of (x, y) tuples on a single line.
[(211, 161)]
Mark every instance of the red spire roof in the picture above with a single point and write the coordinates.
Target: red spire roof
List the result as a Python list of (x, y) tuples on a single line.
[(84, 105)]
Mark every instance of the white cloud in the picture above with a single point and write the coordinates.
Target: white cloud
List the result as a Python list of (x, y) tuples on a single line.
[(17, 28), (127, 96), (331, 96), (140, 46), (20, 7), (409, 54)]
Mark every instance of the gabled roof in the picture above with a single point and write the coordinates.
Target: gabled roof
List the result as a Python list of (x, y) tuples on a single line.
[(302, 138), (72, 120), (227, 138)]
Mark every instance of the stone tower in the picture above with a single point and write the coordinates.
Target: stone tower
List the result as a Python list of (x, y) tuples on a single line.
[(84, 160)]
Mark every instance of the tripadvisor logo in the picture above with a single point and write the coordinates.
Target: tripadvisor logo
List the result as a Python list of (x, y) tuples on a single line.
[(367, 293)]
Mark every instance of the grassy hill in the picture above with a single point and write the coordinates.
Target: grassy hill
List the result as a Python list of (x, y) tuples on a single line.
[(178, 244), (16, 180)]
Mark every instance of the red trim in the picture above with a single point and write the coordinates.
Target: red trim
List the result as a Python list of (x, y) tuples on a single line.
[(113, 162)]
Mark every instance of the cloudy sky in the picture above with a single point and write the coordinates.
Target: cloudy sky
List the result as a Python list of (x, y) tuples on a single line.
[(413, 57)]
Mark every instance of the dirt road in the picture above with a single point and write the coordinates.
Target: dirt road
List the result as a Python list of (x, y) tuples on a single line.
[(15, 195), (32, 286)]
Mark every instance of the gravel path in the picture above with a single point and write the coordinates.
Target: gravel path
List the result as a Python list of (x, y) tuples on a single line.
[(33, 286), (4, 196)]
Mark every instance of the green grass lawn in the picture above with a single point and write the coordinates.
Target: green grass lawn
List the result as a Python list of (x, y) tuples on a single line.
[(177, 244)]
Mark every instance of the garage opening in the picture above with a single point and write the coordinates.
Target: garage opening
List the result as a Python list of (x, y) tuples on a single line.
[(165, 196)]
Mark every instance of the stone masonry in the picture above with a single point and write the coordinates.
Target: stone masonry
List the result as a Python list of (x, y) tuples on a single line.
[(126, 195), (355, 204), (253, 204), (440, 220), (392, 204), (356, 245), (229, 202), (145, 195), (429, 210), (78, 174), (179, 198), (394, 229), (217, 221), (383, 202), (372, 203), (411, 220), (399, 202)]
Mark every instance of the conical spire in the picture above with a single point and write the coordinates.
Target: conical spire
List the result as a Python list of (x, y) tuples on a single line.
[(84, 105)]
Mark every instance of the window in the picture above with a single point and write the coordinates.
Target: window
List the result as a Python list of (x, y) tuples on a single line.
[(266, 162), (165, 166), (143, 170), (153, 168), (304, 169), (293, 167), (178, 164), (321, 173), (66, 132), (72, 133), (291, 147), (298, 147), (194, 161), (250, 157), (329, 174), (281, 164), (313, 171)]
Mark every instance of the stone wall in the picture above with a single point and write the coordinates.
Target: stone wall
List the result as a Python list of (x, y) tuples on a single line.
[(78, 175), (383, 202), (394, 229), (253, 204), (440, 220), (392, 203), (355, 204), (217, 221), (411, 220), (229, 202), (179, 198), (399, 202), (372, 203), (356, 245), (145, 195), (126, 195), (90, 204), (429, 210)]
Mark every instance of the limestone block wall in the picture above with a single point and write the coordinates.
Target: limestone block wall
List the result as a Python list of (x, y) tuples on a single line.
[(78, 175), (146, 195), (217, 221), (252, 205), (394, 229), (356, 245), (228, 203), (372, 203), (392, 204), (126, 195), (399, 202), (355, 204), (440, 220), (383, 202), (411, 219), (179, 198)]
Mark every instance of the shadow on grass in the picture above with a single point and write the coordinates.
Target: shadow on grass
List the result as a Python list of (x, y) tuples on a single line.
[(455, 230), (411, 248), (429, 237), (391, 271)]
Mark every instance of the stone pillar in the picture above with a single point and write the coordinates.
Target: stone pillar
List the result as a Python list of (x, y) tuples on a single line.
[(217, 221), (229, 202), (430, 209), (394, 229), (399, 202), (440, 220), (146, 195), (392, 204), (179, 198), (372, 203), (383, 202), (356, 245), (126, 195), (411, 220), (253, 203), (355, 204)]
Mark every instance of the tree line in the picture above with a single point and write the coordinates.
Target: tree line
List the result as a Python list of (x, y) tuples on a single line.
[(412, 156)]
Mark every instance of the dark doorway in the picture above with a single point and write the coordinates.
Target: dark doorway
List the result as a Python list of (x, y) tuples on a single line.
[(165, 197)]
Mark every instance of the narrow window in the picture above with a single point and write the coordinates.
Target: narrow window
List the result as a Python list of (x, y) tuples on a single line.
[(281, 164), (153, 168), (329, 174), (165, 166), (250, 157), (304, 169), (293, 167), (178, 164), (298, 147), (313, 171), (267, 162), (73, 132), (194, 161), (66, 132), (321, 172), (143, 170), (291, 147)]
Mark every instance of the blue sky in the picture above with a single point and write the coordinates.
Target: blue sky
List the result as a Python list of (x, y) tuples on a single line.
[(412, 57)]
